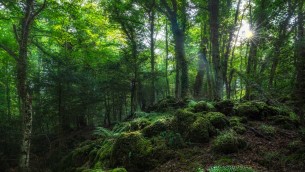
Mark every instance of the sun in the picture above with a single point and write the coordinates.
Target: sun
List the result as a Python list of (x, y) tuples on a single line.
[(249, 34)]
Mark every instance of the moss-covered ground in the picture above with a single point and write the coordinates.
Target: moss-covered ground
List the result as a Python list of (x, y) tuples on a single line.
[(203, 136)]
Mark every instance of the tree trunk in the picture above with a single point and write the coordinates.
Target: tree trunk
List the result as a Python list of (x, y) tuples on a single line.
[(214, 25), (166, 60), (299, 92), (152, 54)]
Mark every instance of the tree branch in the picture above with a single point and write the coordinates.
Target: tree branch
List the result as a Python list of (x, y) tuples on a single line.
[(39, 10), (9, 51)]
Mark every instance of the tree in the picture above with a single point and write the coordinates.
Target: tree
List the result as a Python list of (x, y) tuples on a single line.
[(175, 11)]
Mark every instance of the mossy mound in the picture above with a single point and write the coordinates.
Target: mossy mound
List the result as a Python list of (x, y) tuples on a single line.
[(228, 142), (231, 169), (238, 124), (131, 150), (139, 124), (249, 110), (183, 120), (267, 130), (226, 107), (203, 106), (218, 120), (201, 130), (167, 104), (155, 129), (285, 122), (118, 170)]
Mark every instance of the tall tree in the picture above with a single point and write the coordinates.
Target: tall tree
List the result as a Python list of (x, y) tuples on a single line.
[(214, 26), (299, 92), (175, 11), (31, 10)]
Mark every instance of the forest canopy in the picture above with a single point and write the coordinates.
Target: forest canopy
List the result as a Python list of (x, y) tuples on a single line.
[(76, 65)]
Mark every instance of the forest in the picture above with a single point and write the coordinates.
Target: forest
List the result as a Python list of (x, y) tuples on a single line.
[(152, 85)]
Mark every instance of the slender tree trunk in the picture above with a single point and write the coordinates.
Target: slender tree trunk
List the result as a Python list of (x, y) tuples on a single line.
[(228, 51), (166, 60), (299, 92), (152, 54)]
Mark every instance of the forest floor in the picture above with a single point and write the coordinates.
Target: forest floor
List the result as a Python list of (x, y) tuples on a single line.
[(196, 138), (262, 154)]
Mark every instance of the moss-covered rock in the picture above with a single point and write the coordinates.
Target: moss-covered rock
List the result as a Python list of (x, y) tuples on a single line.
[(203, 106), (131, 150), (155, 129), (238, 124), (139, 124), (201, 130), (218, 120), (173, 139), (267, 130), (284, 121), (182, 121), (249, 110), (226, 107), (118, 170), (228, 142)]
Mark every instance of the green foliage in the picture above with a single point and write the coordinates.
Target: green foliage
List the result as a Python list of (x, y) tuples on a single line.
[(203, 106), (231, 169), (103, 132), (228, 142), (131, 150), (217, 119)]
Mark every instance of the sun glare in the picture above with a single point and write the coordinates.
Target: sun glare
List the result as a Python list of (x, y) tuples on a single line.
[(249, 34)]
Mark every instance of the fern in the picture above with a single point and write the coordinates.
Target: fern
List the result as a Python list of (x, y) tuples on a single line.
[(231, 169)]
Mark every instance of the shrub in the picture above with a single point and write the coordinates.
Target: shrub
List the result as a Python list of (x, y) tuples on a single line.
[(203, 106), (218, 120), (230, 169), (228, 142), (131, 150), (201, 130), (226, 107)]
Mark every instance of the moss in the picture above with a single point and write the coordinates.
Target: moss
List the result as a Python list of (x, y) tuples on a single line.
[(139, 124), (218, 120), (228, 142), (267, 130), (226, 107), (203, 106), (249, 110), (284, 121), (182, 121), (201, 130), (131, 150), (118, 170), (224, 161), (231, 169), (172, 139), (154, 129)]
